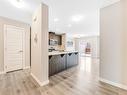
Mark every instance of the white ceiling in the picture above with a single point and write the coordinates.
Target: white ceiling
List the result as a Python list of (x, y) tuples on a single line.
[(60, 15)]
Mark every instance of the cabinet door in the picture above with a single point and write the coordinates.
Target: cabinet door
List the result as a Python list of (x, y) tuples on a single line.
[(76, 58), (72, 59), (52, 67), (57, 63), (62, 62), (69, 60), (54, 64)]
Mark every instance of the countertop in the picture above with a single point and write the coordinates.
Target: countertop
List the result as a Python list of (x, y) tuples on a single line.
[(61, 52)]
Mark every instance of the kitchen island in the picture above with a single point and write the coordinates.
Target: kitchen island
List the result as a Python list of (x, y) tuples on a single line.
[(60, 61)]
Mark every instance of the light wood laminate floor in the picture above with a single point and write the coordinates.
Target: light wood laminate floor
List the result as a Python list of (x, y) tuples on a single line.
[(80, 80)]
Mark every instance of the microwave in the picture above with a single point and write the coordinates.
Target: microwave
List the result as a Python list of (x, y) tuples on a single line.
[(53, 42)]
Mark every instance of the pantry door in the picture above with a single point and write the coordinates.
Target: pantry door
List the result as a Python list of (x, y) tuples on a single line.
[(13, 48)]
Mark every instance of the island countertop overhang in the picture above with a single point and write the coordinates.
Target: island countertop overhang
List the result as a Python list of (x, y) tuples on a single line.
[(59, 52)]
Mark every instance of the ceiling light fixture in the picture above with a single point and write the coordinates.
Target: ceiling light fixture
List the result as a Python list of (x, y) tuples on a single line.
[(77, 18), (79, 35), (17, 3)]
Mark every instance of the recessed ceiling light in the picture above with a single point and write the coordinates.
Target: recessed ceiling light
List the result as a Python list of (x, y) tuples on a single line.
[(77, 18), (79, 35), (17, 3), (56, 20)]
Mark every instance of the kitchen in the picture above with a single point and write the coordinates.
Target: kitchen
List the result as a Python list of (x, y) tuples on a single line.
[(60, 58)]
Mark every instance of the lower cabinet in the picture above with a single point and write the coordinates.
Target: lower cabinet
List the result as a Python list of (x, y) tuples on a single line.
[(76, 57), (72, 59), (52, 65), (58, 63)]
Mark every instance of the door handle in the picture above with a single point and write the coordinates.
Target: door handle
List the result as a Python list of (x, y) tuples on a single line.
[(21, 51)]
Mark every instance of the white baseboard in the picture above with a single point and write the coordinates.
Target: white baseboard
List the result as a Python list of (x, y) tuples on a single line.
[(4, 72), (27, 67), (45, 83), (40, 83), (113, 83), (1, 73)]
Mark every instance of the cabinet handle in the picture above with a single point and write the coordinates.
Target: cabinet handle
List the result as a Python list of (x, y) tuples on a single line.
[(50, 57), (76, 53), (21, 51), (70, 54), (62, 55)]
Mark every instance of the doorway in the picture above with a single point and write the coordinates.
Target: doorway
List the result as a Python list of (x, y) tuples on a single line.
[(88, 48), (85, 48)]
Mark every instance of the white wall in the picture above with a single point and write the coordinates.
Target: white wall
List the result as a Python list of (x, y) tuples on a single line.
[(27, 40), (39, 45), (113, 40)]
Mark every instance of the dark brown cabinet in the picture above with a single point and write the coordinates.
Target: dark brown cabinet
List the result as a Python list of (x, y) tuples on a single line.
[(59, 39), (69, 60), (55, 39), (52, 65), (51, 35), (58, 63)]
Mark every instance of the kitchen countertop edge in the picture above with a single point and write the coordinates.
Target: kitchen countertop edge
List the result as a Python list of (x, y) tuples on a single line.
[(64, 52)]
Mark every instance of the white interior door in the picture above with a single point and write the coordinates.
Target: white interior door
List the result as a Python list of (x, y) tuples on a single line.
[(14, 47)]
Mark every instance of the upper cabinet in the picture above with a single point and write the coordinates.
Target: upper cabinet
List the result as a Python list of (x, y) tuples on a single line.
[(55, 39), (51, 35)]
